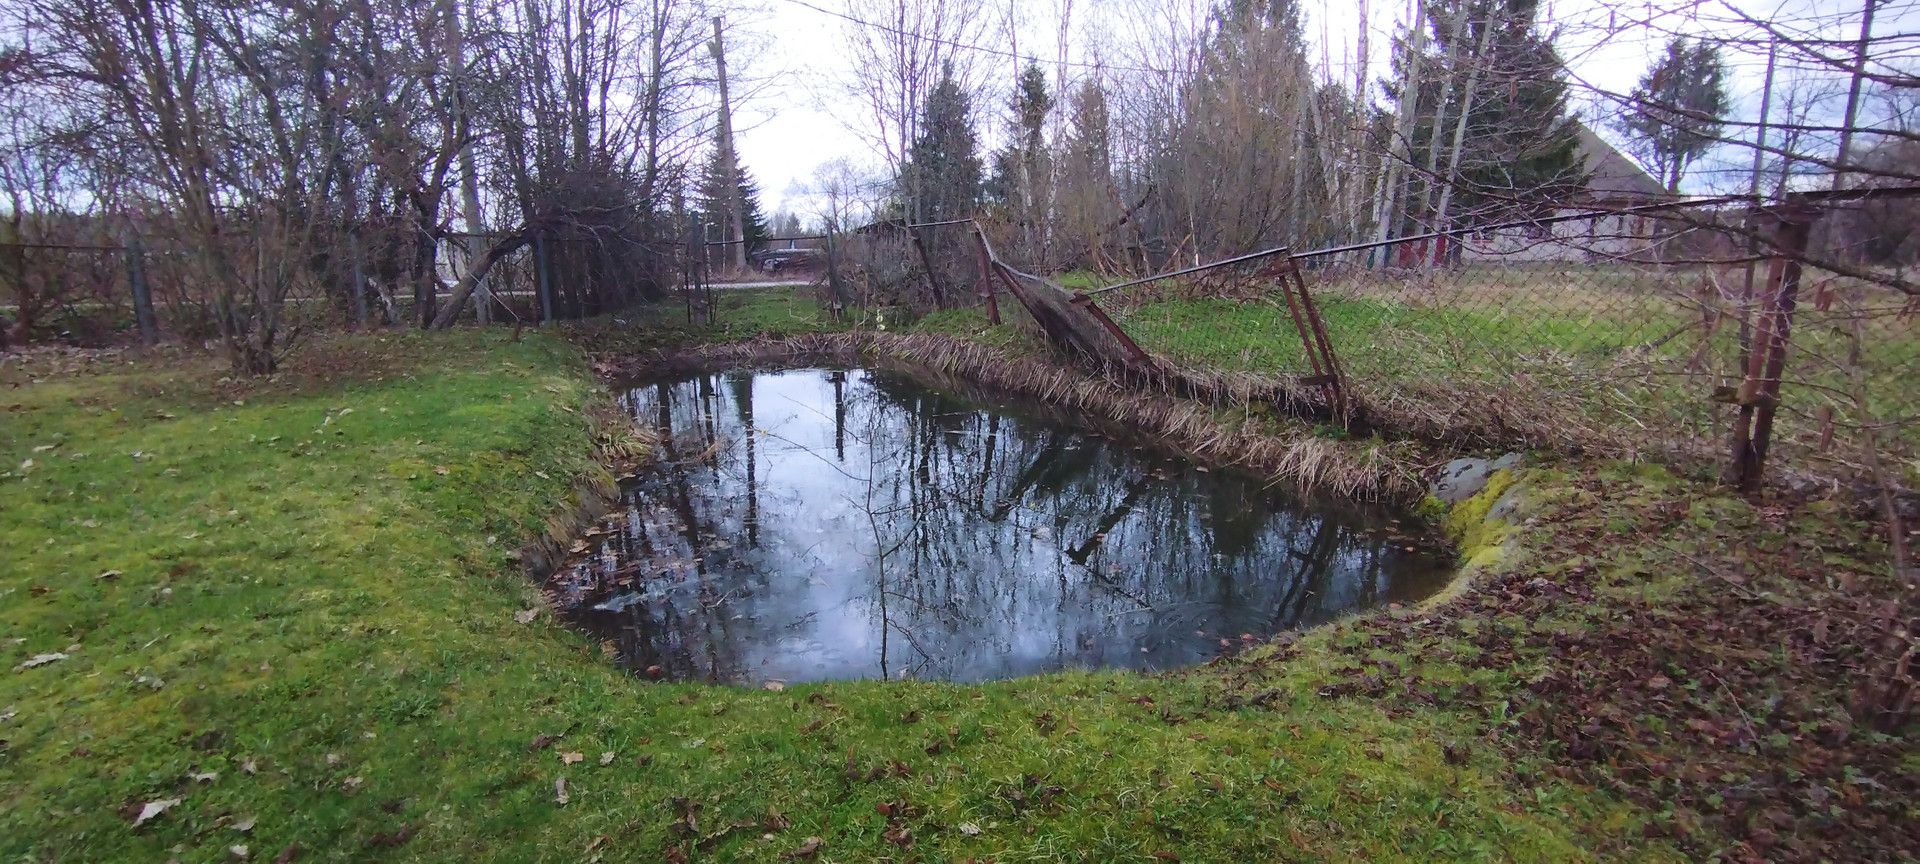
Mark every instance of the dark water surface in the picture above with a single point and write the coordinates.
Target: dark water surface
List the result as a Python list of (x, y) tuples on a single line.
[(823, 524)]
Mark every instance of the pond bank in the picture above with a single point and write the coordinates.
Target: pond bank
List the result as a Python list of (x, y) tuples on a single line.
[(1231, 428), (313, 632), (818, 523), (1611, 585)]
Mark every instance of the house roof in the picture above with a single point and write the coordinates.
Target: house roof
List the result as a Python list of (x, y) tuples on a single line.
[(1614, 175)]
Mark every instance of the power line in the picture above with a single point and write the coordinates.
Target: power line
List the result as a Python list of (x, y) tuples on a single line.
[(968, 46)]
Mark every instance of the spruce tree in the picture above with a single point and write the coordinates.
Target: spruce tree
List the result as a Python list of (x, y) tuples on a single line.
[(710, 195), (1678, 109), (942, 174), (1020, 165), (1520, 154)]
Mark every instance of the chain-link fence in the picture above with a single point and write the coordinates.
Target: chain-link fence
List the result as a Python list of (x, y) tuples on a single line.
[(70, 292), (1710, 333), (1626, 334), (96, 293)]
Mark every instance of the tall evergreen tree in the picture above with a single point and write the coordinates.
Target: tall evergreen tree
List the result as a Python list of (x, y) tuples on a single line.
[(714, 202), (1021, 165), (1520, 151), (1678, 109), (941, 179)]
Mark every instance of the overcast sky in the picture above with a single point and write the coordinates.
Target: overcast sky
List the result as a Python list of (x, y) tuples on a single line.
[(794, 118)]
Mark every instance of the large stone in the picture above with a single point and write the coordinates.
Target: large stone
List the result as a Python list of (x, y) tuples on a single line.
[(1463, 478)]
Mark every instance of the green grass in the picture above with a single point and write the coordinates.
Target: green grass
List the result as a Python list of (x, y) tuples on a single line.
[(1617, 354), (317, 605)]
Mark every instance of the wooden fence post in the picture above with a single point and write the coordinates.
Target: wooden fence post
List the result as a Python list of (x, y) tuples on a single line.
[(1767, 355), (142, 296)]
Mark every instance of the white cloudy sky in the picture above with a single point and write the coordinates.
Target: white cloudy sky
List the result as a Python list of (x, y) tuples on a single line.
[(795, 116)]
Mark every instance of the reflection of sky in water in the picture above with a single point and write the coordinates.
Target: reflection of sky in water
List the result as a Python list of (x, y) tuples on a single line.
[(814, 524)]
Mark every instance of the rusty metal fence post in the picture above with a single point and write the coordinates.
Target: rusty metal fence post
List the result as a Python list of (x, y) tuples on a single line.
[(359, 277), (542, 284), (987, 275), (1327, 374), (833, 278), (1766, 358), (142, 294)]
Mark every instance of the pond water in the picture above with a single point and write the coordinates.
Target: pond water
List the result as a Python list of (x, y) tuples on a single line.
[(825, 524)]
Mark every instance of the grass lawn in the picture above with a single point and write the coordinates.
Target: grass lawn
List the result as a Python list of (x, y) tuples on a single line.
[(289, 620)]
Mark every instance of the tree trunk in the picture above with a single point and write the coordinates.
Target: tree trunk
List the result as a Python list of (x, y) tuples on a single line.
[(457, 300), (1386, 206)]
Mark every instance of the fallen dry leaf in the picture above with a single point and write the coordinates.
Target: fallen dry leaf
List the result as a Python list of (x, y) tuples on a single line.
[(540, 742), (775, 685), (237, 851), (560, 795), (397, 838), (288, 854), (205, 776), (525, 616), (41, 660), (110, 574), (244, 825), (969, 829), (570, 758), (607, 758), (807, 848), (440, 470), (153, 809)]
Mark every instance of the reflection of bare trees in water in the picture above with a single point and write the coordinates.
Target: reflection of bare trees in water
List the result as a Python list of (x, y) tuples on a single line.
[(826, 524)]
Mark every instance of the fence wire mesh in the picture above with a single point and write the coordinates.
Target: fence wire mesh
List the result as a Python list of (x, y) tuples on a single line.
[(1628, 335)]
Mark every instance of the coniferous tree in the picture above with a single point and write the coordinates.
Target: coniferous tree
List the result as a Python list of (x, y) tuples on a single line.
[(1087, 189), (1519, 156), (1678, 109), (753, 220), (1020, 166), (714, 202), (941, 179)]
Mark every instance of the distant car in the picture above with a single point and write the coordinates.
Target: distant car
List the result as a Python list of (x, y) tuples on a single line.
[(777, 260)]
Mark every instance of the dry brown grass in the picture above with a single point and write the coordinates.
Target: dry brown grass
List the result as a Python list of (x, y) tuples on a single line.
[(1220, 419)]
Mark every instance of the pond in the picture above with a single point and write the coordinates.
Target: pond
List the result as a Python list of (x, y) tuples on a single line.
[(833, 524)]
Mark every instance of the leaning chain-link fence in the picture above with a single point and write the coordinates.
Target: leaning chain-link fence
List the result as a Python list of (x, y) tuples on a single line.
[(1626, 335), (1682, 334)]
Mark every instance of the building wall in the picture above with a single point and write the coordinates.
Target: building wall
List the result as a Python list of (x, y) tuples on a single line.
[(1599, 239)]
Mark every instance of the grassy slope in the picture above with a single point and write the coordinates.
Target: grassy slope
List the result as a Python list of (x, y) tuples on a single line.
[(1642, 581), (325, 599)]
